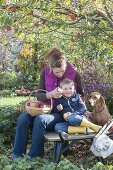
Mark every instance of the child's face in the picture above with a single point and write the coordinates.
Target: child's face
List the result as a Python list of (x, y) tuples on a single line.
[(68, 89)]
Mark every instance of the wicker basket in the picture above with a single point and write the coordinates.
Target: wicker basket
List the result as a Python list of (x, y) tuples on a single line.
[(19, 93), (34, 111)]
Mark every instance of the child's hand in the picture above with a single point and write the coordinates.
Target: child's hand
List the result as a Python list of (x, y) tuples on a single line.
[(66, 115), (60, 107)]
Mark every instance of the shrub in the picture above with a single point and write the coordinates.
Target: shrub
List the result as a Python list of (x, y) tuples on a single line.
[(96, 77), (6, 93)]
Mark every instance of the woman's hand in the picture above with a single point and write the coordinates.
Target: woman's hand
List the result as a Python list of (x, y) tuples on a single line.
[(56, 93), (66, 115)]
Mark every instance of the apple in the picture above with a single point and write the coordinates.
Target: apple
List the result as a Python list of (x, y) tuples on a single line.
[(9, 28), (37, 104), (28, 103), (41, 104), (13, 9), (72, 15), (78, 34), (111, 42)]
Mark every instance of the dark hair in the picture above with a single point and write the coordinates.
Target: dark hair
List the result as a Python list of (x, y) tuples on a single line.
[(56, 58), (66, 81)]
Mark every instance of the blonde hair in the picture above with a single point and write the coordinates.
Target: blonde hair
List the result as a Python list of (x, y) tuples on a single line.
[(56, 58), (66, 81)]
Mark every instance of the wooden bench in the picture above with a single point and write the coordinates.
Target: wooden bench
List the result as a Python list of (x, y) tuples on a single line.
[(58, 142), (60, 147)]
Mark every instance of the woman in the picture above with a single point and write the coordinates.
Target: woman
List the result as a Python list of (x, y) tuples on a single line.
[(50, 78)]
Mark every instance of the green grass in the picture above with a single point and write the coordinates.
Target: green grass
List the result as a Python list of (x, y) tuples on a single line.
[(12, 101)]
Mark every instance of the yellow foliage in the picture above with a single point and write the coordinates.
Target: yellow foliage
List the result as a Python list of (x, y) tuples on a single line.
[(52, 4), (68, 2), (27, 50), (21, 36), (27, 11), (2, 1)]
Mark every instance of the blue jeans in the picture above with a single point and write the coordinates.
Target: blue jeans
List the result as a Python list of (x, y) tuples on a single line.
[(41, 124), (72, 120)]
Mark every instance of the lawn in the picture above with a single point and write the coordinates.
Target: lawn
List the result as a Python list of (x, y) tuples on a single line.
[(12, 101)]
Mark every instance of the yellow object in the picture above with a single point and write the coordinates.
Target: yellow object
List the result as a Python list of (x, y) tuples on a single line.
[(87, 123), (27, 50), (76, 129)]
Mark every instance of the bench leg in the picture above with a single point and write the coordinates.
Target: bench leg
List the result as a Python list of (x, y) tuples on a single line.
[(57, 152), (60, 148)]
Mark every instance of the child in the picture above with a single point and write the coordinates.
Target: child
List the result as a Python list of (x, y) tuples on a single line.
[(72, 108)]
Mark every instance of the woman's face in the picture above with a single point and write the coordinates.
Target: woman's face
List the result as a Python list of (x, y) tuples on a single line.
[(59, 71)]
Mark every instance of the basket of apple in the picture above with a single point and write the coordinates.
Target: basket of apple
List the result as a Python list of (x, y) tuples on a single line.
[(35, 107)]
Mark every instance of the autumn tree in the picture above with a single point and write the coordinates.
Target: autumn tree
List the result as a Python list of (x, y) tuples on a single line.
[(83, 29)]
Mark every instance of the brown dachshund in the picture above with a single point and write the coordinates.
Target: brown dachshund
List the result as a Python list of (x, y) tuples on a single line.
[(100, 114)]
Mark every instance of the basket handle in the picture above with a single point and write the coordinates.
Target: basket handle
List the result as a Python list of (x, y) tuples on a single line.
[(43, 91)]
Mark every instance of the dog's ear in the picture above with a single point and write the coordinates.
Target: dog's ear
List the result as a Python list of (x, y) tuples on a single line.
[(102, 100)]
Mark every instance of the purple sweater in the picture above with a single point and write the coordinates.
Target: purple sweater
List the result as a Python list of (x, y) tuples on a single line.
[(51, 81)]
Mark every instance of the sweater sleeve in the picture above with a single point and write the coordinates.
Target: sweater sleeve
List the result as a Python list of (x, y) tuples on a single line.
[(56, 103), (79, 87), (41, 95)]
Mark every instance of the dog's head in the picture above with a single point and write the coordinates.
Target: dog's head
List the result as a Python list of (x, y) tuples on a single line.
[(96, 98)]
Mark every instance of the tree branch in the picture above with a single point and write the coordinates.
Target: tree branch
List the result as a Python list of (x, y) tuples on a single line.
[(108, 14), (105, 18)]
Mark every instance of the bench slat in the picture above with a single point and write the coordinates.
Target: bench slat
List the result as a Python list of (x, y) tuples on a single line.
[(52, 136)]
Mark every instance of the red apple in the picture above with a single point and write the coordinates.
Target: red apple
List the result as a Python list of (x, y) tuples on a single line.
[(111, 42), (72, 15), (13, 8), (37, 104), (28, 104), (9, 28), (78, 34), (41, 104)]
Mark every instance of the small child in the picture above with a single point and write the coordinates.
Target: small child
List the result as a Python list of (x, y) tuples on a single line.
[(72, 108)]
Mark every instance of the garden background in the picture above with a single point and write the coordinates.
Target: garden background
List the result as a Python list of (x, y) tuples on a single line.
[(83, 30)]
